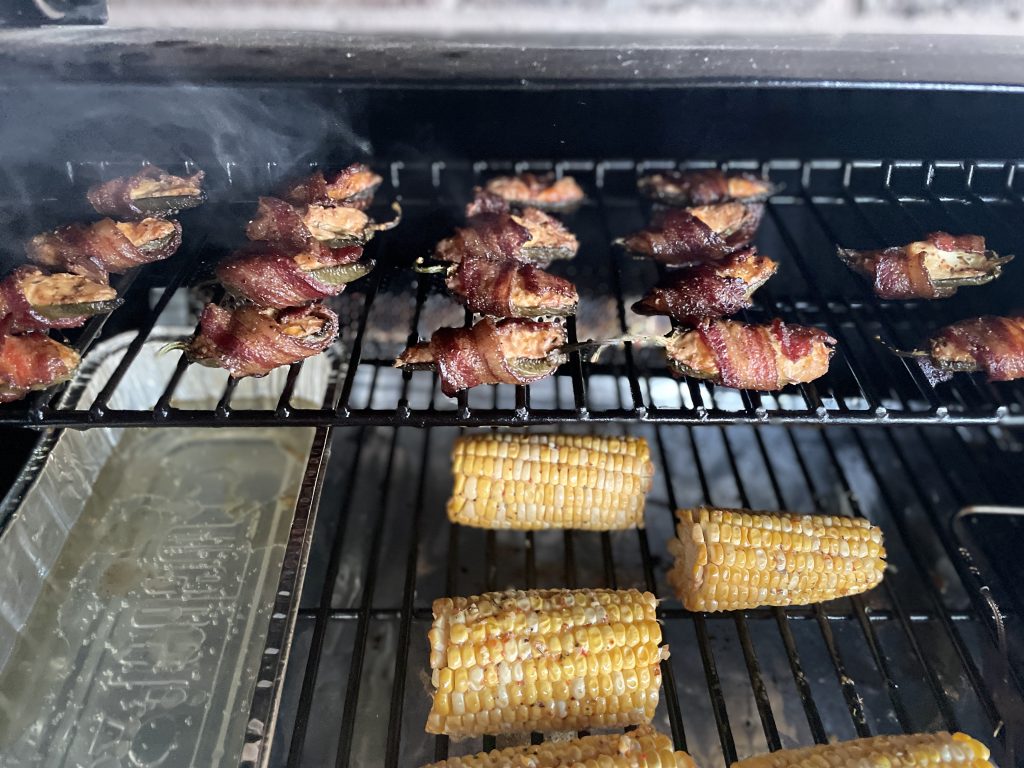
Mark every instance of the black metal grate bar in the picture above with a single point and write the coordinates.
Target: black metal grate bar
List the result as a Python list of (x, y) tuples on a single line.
[(824, 202)]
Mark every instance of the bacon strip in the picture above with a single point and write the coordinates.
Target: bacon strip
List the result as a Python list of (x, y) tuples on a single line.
[(272, 277), (743, 353), (31, 362), (677, 237), (703, 187), (508, 288), (279, 223), (995, 345), (352, 187), (113, 198), (488, 235), (901, 274), (486, 202), (96, 249), (248, 341)]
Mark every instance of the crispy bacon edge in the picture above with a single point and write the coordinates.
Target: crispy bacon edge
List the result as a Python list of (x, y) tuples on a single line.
[(31, 362)]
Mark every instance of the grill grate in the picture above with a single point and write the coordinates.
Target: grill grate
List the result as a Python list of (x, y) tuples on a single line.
[(918, 653), (860, 204)]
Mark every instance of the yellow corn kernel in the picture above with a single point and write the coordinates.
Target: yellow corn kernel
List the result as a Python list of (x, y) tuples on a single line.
[(538, 481), (906, 751), (549, 660), (732, 559)]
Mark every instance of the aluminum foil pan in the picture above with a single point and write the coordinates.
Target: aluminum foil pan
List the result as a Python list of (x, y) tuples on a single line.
[(139, 571)]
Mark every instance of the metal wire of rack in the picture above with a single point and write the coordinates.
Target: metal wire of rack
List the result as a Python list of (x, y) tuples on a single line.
[(918, 653), (824, 202)]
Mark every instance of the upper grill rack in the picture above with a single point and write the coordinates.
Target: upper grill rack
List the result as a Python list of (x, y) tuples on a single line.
[(823, 202)]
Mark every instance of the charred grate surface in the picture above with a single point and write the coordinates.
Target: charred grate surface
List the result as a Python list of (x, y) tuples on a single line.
[(918, 653), (824, 202)]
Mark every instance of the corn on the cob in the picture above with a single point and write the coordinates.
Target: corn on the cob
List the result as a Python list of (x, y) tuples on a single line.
[(530, 482), (733, 559), (544, 660), (904, 751), (642, 748)]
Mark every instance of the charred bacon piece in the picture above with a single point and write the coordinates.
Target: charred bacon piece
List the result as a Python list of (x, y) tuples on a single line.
[(705, 187), (990, 344), (32, 362), (353, 186), (538, 191), (106, 246), (150, 192), (680, 236), (712, 289), (509, 288), (31, 300), (512, 351), (251, 341), (301, 229), (276, 278), (932, 268), (531, 236), (747, 356)]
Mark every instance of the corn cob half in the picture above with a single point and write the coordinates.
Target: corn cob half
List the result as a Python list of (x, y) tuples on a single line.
[(734, 559), (531, 481), (544, 660), (641, 748), (903, 751)]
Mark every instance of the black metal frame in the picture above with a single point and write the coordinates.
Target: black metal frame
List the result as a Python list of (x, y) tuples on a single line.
[(825, 201)]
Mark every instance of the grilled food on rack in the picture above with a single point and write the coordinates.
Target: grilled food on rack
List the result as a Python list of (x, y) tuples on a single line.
[(105, 246), (532, 237), (748, 356), (250, 341), (704, 187), (736, 559), (271, 277), (512, 351), (916, 750), (544, 660), (353, 186), (679, 236), (32, 362), (150, 192), (932, 268), (539, 191), (32, 300), (509, 288), (642, 747), (537, 481), (990, 344), (712, 289), (303, 228)]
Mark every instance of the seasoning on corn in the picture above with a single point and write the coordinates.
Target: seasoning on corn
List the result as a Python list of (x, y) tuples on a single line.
[(641, 748), (733, 559), (918, 749), (537, 481), (544, 660)]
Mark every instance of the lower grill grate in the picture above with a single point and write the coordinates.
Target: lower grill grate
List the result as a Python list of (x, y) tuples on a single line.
[(918, 653), (856, 204)]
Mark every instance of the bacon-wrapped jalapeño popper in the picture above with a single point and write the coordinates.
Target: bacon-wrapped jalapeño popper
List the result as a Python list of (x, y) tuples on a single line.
[(31, 362), (680, 236), (747, 356), (530, 236), (271, 277), (150, 192), (712, 289), (105, 246), (252, 341), (352, 186), (538, 191), (704, 187), (932, 268), (988, 344), (301, 228), (32, 300), (511, 351)]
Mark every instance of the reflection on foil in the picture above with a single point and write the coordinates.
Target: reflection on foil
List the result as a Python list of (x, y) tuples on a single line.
[(137, 581)]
